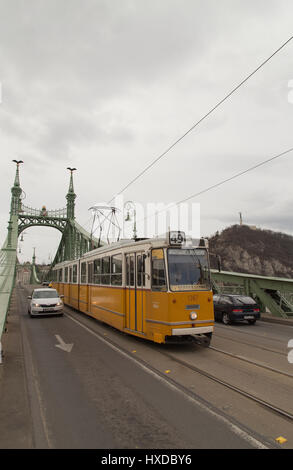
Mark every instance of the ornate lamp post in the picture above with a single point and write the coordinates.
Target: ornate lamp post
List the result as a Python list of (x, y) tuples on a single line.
[(129, 205)]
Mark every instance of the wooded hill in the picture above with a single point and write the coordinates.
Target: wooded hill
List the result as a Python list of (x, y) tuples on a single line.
[(246, 249)]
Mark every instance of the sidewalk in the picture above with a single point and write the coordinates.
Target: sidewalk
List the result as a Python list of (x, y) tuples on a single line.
[(267, 317), (15, 416)]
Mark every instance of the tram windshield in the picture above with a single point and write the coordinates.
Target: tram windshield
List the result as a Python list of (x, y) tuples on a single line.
[(188, 269)]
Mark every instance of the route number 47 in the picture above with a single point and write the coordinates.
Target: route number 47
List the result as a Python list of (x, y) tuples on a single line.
[(290, 354)]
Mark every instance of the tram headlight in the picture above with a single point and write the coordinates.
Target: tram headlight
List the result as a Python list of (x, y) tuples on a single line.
[(193, 315)]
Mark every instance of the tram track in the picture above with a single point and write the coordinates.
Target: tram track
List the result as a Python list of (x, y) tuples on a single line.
[(264, 403), (251, 334), (254, 438), (262, 348), (249, 361), (269, 406)]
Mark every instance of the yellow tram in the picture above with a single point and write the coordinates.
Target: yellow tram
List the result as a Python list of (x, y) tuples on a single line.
[(158, 289)]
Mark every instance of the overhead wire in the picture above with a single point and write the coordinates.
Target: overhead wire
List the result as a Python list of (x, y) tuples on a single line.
[(219, 103), (220, 183)]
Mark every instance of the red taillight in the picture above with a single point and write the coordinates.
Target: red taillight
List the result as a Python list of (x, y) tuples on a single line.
[(237, 310), (256, 309)]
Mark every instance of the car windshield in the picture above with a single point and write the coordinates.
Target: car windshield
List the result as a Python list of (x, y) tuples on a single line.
[(45, 294), (243, 300), (188, 269)]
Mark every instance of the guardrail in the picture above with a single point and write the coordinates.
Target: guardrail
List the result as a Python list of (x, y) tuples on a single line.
[(273, 293), (57, 213), (7, 273)]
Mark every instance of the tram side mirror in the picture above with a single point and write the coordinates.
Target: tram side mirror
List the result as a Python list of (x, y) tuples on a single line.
[(29, 297)]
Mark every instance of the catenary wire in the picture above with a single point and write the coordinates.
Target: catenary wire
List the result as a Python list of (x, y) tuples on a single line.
[(201, 119), (220, 183)]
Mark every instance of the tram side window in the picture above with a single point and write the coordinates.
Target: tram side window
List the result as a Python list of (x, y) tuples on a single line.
[(140, 270), (97, 271), (74, 274), (83, 273), (66, 275), (90, 268), (116, 270), (158, 270), (70, 275), (59, 275), (130, 270), (105, 278)]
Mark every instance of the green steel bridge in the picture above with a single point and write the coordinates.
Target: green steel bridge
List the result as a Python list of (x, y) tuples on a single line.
[(75, 240), (274, 294)]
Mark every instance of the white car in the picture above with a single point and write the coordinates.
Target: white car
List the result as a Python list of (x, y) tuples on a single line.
[(45, 301)]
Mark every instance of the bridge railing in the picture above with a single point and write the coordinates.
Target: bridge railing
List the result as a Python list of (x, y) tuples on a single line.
[(7, 274), (58, 213), (273, 293)]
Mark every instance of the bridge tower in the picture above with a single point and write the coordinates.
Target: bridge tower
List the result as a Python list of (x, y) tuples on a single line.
[(16, 192), (71, 196)]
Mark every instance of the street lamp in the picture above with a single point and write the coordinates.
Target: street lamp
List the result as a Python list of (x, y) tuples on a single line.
[(129, 205)]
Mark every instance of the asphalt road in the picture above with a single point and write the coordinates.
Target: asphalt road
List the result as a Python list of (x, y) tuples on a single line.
[(128, 394)]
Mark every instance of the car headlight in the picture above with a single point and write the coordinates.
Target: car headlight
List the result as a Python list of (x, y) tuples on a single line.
[(36, 305), (59, 304)]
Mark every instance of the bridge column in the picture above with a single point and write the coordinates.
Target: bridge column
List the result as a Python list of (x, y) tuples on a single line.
[(71, 196), (16, 192)]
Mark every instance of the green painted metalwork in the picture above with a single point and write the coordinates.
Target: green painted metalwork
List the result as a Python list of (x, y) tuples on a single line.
[(8, 259), (34, 279), (270, 291)]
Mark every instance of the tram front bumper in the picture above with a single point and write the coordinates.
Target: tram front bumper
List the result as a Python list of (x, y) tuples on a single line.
[(201, 330)]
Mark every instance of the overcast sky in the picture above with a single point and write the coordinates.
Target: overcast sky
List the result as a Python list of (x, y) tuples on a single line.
[(108, 85)]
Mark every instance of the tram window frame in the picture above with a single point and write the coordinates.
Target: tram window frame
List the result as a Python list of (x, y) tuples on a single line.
[(90, 272), (116, 277), (163, 287), (66, 274), (70, 275), (83, 273), (97, 271), (140, 270), (106, 271), (74, 274), (59, 275), (130, 270)]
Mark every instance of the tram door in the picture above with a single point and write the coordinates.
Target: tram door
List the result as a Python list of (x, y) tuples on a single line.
[(135, 295)]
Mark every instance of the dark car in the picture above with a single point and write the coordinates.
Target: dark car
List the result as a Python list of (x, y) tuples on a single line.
[(229, 308)]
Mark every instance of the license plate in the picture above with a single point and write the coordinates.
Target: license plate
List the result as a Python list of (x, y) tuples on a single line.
[(47, 309), (248, 317)]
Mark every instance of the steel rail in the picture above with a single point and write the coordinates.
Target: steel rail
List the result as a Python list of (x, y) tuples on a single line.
[(236, 389)]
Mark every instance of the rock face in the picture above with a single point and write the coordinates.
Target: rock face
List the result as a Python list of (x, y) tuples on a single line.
[(254, 251)]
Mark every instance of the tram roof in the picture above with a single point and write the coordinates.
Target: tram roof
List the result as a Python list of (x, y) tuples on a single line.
[(156, 242)]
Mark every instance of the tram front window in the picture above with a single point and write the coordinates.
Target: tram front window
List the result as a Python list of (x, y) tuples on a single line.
[(188, 269)]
